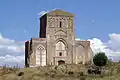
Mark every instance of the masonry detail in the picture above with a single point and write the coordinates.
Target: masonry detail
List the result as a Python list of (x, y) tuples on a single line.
[(56, 43)]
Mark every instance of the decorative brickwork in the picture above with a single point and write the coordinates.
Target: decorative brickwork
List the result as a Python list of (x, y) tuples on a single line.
[(56, 43)]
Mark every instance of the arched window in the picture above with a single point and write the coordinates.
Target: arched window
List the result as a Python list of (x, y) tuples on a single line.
[(40, 56)]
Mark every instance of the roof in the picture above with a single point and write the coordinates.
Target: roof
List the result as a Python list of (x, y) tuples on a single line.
[(58, 12)]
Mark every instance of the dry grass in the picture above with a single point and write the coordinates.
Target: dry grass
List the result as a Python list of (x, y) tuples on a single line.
[(66, 72)]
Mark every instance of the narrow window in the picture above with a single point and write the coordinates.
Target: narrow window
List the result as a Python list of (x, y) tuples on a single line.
[(60, 53), (60, 24)]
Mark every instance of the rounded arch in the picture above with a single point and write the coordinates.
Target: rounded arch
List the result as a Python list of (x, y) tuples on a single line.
[(61, 62)]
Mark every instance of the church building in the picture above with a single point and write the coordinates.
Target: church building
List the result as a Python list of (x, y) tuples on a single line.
[(57, 42)]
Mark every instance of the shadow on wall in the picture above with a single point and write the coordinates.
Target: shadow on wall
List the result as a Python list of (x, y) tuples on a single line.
[(61, 62)]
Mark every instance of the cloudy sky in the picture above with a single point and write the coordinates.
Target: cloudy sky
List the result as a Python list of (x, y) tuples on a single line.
[(95, 20)]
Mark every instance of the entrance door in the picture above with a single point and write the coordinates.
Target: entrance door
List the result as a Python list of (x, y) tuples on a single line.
[(61, 62)]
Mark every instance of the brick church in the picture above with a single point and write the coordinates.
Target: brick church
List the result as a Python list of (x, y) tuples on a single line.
[(56, 43)]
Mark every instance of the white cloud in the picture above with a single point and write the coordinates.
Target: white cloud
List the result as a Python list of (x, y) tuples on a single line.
[(114, 42), (111, 47), (11, 52), (42, 13), (12, 60)]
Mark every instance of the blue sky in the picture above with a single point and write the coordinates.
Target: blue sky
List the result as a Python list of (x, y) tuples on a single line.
[(95, 20)]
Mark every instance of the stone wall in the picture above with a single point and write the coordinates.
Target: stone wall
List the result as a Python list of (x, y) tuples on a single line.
[(57, 27)]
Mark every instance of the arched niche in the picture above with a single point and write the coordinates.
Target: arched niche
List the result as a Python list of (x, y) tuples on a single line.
[(60, 45), (40, 55), (60, 48), (80, 53)]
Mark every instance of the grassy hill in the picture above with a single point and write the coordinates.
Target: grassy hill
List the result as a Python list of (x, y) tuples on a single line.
[(63, 72)]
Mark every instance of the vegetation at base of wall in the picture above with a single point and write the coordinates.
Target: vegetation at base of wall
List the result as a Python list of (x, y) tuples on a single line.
[(111, 71)]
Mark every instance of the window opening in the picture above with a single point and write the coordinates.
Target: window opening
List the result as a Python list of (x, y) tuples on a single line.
[(60, 53), (60, 24)]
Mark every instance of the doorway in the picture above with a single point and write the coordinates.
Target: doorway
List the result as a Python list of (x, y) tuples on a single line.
[(61, 62)]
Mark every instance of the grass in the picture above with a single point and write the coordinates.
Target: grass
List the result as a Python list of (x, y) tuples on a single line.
[(62, 72)]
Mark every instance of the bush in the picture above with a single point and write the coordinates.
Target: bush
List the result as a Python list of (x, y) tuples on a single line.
[(70, 72), (20, 73), (61, 68), (100, 59)]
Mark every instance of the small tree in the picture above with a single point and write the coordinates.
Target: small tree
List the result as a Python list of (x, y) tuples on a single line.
[(100, 59)]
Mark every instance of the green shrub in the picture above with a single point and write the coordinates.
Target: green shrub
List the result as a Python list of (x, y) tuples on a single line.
[(100, 59)]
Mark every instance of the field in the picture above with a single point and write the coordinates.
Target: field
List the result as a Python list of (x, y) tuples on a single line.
[(63, 72)]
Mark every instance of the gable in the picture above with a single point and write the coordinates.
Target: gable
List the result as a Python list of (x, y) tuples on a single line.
[(59, 13)]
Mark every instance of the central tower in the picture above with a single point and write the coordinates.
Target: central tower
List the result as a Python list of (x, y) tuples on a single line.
[(56, 43), (57, 27)]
